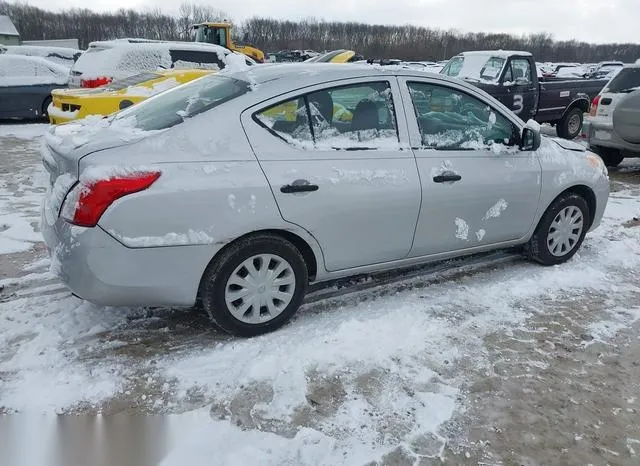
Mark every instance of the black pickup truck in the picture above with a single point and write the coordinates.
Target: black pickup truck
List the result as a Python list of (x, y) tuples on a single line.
[(512, 78)]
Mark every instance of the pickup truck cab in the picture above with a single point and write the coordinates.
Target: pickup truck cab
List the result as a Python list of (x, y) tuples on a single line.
[(511, 77)]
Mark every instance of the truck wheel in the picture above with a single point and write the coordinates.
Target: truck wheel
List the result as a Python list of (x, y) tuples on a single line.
[(569, 126), (610, 157)]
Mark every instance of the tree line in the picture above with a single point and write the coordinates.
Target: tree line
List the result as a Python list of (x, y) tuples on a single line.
[(372, 41)]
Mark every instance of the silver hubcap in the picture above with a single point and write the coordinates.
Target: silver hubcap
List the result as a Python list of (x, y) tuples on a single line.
[(574, 124), (260, 288), (565, 231)]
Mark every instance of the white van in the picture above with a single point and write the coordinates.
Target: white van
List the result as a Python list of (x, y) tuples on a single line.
[(106, 61)]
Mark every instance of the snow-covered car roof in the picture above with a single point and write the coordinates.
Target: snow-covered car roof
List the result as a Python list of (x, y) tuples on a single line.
[(497, 53), (18, 70), (41, 51), (119, 58), (137, 44)]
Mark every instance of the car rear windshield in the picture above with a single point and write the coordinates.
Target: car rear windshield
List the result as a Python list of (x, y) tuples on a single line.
[(131, 81), (627, 80), (176, 105)]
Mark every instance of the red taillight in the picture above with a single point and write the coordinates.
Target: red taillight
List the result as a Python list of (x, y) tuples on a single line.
[(87, 201), (594, 105), (97, 82)]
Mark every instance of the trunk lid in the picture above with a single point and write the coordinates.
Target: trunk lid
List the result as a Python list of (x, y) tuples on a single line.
[(65, 145)]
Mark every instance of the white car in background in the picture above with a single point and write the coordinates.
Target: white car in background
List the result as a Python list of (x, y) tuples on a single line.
[(598, 127), (59, 55), (107, 61)]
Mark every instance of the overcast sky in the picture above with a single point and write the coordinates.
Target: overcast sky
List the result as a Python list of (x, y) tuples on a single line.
[(588, 20)]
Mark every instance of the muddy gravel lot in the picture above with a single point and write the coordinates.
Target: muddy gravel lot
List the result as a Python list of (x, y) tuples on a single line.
[(492, 362)]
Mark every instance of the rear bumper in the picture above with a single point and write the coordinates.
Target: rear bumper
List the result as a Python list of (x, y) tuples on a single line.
[(98, 268), (601, 134)]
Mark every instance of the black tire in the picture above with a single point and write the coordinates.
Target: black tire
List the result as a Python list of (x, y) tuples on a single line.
[(215, 279), (566, 127), (610, 157), (45, 107), (537, 248)]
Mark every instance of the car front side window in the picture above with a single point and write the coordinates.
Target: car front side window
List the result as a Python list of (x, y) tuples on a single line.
[(450, 119)]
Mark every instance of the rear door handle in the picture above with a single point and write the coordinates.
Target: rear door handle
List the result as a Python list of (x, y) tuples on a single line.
[(445, 178), (298, 188)]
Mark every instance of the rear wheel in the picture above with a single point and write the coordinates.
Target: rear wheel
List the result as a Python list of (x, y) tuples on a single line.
[(255, 286), (610, 157), (560, 232), (569, 127)]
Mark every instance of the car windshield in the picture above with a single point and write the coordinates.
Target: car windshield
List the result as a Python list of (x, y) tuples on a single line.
[(476, 67), (174, 106), (131, 81), (627, 80)]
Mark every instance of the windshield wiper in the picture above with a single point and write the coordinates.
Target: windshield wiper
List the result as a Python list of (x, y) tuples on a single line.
[(628, 90), (475, 80)]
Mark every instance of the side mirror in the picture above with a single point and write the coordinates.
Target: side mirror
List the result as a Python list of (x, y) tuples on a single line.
[(531, 138)]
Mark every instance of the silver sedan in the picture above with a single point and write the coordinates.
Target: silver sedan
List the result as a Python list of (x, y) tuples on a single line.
[(243, 188)]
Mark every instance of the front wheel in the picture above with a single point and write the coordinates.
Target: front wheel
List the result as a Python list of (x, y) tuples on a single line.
[(255, 286), (569, 127), (560, 231)]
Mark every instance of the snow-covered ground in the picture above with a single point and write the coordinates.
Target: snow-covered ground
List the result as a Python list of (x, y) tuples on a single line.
[(397, 374)]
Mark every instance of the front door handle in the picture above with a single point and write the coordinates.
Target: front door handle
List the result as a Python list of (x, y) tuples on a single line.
[(299, 186), (447, 177)]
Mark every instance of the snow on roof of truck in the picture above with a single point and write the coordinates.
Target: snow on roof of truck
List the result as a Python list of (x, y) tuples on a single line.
[(497, 53)]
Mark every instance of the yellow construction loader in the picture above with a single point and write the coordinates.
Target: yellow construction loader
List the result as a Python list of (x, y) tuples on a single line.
[(220, 34)]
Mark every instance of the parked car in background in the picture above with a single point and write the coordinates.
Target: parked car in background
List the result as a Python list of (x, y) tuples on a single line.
[(106, 61), (626, 120), (26, 84), (75, 104), (210, 190), (336, 56), (605, 70), (59, 55), (598, 129), (509, 76)]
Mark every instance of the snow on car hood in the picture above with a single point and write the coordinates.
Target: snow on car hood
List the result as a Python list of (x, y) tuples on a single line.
[(569, 145)]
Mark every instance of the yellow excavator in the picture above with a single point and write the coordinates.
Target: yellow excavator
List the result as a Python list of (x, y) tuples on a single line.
[(220, 34)]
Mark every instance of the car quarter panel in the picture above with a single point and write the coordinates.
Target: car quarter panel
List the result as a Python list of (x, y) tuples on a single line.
[(564, 169), (210, 192)]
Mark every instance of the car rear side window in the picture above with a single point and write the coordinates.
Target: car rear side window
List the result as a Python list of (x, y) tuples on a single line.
[(288, 120), (627, 80), (354, 117), (174, 106), (450, 119)]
